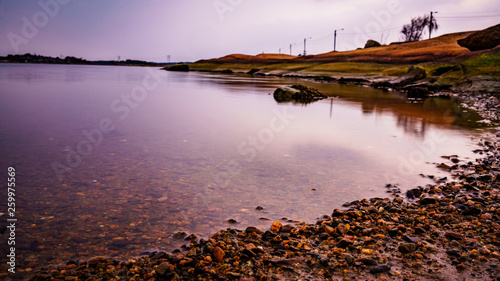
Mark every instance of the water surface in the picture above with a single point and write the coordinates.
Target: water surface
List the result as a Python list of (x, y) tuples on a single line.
[(192, 150)]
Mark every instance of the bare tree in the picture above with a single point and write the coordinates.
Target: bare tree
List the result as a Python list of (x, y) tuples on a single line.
[(414, 30)]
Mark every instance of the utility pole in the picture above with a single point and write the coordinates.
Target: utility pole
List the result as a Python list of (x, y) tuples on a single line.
[(431, 25), (335, 39), (305, 45)]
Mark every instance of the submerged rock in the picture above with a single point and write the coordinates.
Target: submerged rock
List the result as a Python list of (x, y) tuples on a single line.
[(298, 93)]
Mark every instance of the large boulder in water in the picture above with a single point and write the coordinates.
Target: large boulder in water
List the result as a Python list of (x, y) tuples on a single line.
[(372, 43), (298, 93), (482, 40)]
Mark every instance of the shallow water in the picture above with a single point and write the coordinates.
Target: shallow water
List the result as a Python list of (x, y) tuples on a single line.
[(115, 160)]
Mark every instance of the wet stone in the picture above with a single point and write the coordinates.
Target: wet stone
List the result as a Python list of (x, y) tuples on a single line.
[(251, 229), (428, 200), (380, 269), (407, 248), (344, 243), (453, 235), (162, 268)]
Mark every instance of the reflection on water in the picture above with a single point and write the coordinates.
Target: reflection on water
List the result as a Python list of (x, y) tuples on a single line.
[(197, 150)]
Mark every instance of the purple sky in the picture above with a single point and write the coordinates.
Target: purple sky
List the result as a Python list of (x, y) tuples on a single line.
[(189, 30)]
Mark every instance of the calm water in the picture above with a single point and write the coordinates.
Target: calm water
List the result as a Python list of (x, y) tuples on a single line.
[(115, 160)]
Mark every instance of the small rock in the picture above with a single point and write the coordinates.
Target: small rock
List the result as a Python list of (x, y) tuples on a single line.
[(411, 239), (162, 268), (92, 262), (251, 229), (287, 228), (428, 200), (348, 258), (276, 227), (368, 261), (329, 229), (407, 248), (219, 254), (453, 236), (268, 235), (344, 243), (367, 251), (380, 269)]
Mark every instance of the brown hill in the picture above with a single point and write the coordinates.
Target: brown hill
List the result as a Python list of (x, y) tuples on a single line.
[(437, 49), (482, 40)]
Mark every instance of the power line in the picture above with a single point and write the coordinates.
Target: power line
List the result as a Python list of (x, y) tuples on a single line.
[(470, 17)]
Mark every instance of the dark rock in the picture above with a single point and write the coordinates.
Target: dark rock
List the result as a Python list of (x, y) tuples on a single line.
[(411, 239), (380, 269), (428, 200), (393, 232), (355, 81), (163, 268), (407, 248), (441, 70), (482, 40), (471, 211), (298, 93), (348, 258), (368, 261), (251, 229), (287, 228), (159, 255), (414, 193), (232, 221), (344, 243), (191, 237), (419, 230), (372, 43), (414, 74), (253, 71), (268, 235), (259, 208), (337, 213), (453, 253), (178, 67), (180, 234), (453, 236), (93, 262)]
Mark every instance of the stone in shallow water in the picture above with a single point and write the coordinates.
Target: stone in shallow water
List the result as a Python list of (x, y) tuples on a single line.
[(276, 227)]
